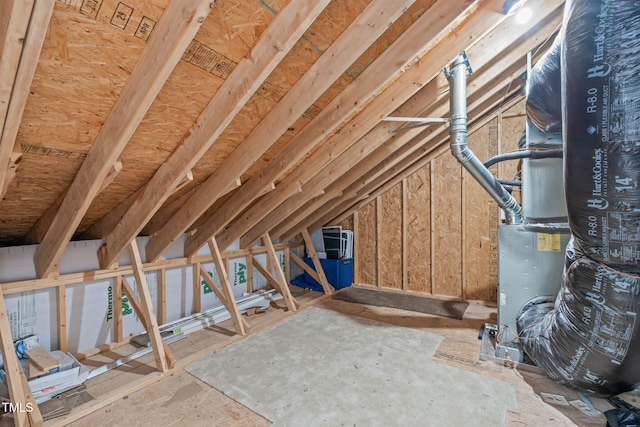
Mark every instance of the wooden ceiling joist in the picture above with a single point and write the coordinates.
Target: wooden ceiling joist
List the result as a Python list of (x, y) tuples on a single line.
[(366, 28), (248, 76), (476, 22), (173, 33), (354, 167), (386, 68)]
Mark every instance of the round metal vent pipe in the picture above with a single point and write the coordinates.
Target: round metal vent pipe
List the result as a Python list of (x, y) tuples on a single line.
[(458, 143)]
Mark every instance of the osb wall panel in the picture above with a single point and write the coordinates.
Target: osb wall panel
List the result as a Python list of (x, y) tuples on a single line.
[(366, 246), (390, 242), (419, 230), (464, 223), (481, 221), (510, 132), (447, 229), (347, 223)]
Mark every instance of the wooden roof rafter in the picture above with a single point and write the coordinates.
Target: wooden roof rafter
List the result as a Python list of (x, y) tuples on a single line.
[(280, 36), (383, 175), (366, 28), (387, 67), (477, 20), (25, 27), (375, 182), (172, 35), (378, 151)]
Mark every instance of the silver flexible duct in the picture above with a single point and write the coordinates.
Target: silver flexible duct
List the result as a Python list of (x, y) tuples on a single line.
[(458, 143)]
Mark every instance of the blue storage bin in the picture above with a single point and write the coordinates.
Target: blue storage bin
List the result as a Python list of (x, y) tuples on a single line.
[(339, 273)]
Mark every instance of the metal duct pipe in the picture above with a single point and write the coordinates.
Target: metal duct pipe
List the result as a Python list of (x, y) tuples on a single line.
[(458, 143)]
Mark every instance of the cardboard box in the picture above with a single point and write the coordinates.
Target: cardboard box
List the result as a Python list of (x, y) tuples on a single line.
[(70, 374)]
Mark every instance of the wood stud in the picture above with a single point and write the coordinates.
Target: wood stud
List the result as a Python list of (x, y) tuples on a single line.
[(61, 306), (117, 308)]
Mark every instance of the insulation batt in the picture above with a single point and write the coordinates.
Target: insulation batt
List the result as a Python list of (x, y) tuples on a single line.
[(544, 102), (589, 337)]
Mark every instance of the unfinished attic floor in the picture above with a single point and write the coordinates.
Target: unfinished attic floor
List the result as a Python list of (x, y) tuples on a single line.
[(184, 398)]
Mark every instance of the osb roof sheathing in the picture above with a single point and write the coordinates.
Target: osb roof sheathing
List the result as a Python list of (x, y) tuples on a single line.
[(91, 47)]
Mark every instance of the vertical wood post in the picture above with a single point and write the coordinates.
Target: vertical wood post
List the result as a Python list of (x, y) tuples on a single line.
[(378, 240), (405, 237), (197, 293), (61, 303), (117, 308), (432, 182), (287, 264), (249, 273), (12, 367), (356, 241), (162, 296)]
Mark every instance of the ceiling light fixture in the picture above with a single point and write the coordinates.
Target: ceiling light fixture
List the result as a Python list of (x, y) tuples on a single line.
[(523, 15)]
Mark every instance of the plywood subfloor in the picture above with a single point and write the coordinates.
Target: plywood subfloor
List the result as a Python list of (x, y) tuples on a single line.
[(184, 400)]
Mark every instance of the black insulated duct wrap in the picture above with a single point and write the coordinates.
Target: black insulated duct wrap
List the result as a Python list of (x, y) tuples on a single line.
[(588, 339), (544, 100), (601, 81)]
